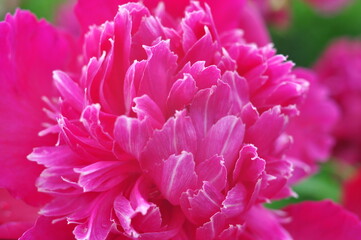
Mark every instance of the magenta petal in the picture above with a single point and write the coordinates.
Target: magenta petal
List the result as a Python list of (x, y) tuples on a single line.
[(181, 93), (69, 90), (201, 204), (15, 216), (266, 130), (90, 12), (177, 135), (156, 78), (103, 175), (265, 224), (124, 212), (208, 106), (46, 229), (98, 224), (213, 171), (352, 194), (145, 107), (25, 78), (225, 139), (213, 228), (205, 77), (178, 176), (235, 202), (131, 134), (322, 220)]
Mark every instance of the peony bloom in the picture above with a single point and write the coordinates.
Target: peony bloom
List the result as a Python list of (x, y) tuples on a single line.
[(163, 122), (311, 130), (338, 69), (173, 129)]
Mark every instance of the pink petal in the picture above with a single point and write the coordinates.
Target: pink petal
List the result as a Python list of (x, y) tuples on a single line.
[(131, 134), (265, 224), (225, 139), (178, 176), (69, 90), (45, 228), (322, 220), (181, 93), (213, 171), (15, 216), (352, 194), (208, 106), (104, 175), (205, 77), (25, 79), (200, 205), (177, 135), (235, 202)]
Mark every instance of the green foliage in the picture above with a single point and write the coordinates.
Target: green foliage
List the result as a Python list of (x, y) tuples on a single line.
[(42, 8), (310, 32)]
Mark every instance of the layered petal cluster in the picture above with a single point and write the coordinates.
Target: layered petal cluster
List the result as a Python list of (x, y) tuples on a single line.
[(338, 69), (170, 132), (227, 15)]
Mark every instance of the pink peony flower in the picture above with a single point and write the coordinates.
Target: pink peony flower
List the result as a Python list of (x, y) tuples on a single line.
[(165, 134), (311, 130), (338, 69), (173, 129)]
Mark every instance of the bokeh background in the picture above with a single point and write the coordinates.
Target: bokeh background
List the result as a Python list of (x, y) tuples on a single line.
[(305, 37)]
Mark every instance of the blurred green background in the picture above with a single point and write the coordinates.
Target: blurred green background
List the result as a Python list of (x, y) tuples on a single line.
[(307, 36)]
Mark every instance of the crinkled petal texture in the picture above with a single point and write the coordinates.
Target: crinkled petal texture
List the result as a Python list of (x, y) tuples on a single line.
[(30, 51), (247, 17), (322, 220), (172, 131), (337, 70), (352, 194)]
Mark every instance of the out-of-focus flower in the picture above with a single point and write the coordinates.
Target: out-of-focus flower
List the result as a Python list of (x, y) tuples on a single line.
[(278, 12), (338, 69), (15, 216), (328, 6), (29, 51), (333, 222), (351, 197), (311, 130)]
